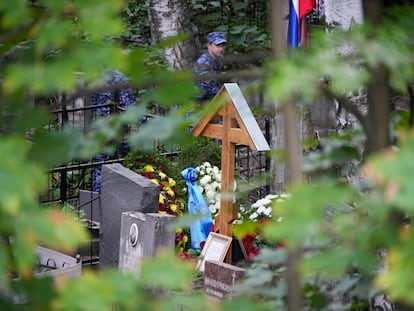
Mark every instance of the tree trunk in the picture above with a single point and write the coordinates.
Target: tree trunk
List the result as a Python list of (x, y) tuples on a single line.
[(279, 10), (378, 93), (169, 18), (293, 148)]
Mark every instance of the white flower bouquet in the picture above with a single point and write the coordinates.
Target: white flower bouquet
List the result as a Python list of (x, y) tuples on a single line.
[(209, 181), (261, 209)]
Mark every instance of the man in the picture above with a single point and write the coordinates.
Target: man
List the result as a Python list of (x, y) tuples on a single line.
[(209, 62)]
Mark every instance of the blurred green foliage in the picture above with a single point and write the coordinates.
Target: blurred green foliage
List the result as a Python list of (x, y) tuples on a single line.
[(51, 47)]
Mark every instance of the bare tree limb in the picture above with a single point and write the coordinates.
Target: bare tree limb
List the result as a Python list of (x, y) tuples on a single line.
[(346, 104)]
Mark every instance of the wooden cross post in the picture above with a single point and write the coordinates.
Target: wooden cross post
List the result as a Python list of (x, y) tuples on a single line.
[(233, 123)]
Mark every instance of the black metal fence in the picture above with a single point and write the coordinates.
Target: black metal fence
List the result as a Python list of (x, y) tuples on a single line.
[(70, 185)]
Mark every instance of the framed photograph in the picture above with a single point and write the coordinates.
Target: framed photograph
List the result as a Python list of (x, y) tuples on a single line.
[(216, 248)]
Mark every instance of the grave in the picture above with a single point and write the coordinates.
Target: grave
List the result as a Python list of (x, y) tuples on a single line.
[(89, 203), (54, 264), (237, 126), (144, 235), (220, 278), (122, 190)]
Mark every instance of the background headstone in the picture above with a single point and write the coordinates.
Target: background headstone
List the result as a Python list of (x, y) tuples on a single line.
[(122, 190), (89, 203), (220, 278), (143, 235)]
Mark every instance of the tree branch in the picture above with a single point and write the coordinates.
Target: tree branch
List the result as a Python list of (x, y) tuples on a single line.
[(346, 104)]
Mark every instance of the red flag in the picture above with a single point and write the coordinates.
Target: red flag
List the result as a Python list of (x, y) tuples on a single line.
[(305, 7)]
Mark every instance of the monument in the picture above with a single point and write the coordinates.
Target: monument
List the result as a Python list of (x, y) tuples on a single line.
[(122, 190), (144, 235)]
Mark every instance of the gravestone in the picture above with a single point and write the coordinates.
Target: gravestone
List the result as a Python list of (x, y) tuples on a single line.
[(220, 278), (143, 235), (89, 203), (122, 190)]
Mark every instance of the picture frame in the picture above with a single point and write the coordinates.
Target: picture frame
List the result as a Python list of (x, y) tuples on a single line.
[(215, 248)]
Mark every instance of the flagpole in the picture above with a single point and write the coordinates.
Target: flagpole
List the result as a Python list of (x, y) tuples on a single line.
[(303, 34)]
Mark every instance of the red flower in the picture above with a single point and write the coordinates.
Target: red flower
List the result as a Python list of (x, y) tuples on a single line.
[(149, 175), (178, 238), (163, 169), (251, 250), (186, 256), (281, 245)]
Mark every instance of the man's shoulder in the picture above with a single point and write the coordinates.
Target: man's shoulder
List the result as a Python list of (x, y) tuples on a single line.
[(203, 59)]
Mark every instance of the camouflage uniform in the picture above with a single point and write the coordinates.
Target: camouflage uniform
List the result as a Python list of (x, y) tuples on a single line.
[(125, 98), (205, 64)]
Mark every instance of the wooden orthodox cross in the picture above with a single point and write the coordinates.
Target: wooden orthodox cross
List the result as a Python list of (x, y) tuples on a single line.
[(233, 123)]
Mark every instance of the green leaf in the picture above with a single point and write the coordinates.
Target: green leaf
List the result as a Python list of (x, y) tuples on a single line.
[(73, 295), (153, 272), (62, 142), (15, 13)]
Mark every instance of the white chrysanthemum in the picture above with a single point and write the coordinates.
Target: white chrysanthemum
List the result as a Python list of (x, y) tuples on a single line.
[(215, 185), (217, 177), (213, 209), (201, 189), (266, 211), (210, 194), (238, 221), (217, 205), (261, 210), (205, 180), (253, 216), (210, 186)]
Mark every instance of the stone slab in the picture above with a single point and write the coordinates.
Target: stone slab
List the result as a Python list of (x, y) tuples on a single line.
[(220, 278), (144, 235), (89, 202)]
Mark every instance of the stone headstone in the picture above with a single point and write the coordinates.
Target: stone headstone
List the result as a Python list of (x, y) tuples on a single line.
[(89, 202), (122, 190), (143, 235), (220, 278)]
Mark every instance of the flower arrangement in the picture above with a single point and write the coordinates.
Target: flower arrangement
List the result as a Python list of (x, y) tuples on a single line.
[(260, 211), (169, 202), (156, 168), (209, 181)]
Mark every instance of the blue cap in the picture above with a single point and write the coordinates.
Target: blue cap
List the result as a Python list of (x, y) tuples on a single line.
[(216, 38)]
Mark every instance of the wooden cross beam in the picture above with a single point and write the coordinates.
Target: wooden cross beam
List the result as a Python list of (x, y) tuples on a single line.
[(233, 123)]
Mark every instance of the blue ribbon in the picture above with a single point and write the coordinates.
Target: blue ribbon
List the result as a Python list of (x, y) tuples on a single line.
[(201, 228)]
